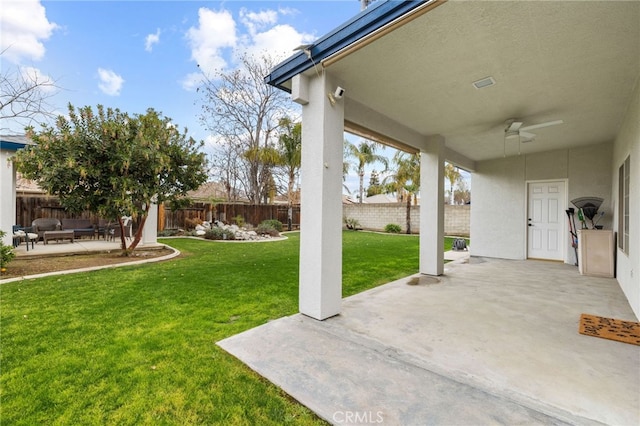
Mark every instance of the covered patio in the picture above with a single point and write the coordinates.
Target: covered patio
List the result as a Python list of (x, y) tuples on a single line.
[(491, 341), (540, 101)]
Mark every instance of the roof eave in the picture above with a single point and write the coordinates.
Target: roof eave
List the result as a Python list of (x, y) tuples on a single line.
[(364, 23)]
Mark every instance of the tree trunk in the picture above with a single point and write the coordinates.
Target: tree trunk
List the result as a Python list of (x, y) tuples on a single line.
[(408, 213), (138, 236)]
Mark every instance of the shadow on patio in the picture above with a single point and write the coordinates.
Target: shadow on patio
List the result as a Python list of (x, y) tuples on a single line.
[(492, 341)]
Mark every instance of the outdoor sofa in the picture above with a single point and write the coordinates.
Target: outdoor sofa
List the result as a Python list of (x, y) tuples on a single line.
[(80, 227)]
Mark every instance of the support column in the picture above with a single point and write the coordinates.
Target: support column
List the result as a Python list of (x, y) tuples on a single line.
[(432, 206), (320, 291), (8, 195), (150, 230)]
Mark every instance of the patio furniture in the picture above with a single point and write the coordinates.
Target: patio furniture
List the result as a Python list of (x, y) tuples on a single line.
[(114, 230), (42, 225), (80, 227), (24, 233), (59, 235)]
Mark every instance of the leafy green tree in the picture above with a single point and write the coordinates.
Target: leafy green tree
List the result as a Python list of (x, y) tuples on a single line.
[(364, 153), (405, 180), (374, 187), (113, 164)]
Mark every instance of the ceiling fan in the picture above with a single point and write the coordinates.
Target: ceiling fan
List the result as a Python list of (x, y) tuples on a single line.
[(514, 129)]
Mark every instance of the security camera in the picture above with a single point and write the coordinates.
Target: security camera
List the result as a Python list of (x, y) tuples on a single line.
[(339, 93)]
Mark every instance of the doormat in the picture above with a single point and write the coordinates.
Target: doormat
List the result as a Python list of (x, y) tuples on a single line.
[(609, 328)]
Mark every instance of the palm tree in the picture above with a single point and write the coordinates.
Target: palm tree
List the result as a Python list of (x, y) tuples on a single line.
[(453, 175), (364, 153), (290, 153), (405, 180)]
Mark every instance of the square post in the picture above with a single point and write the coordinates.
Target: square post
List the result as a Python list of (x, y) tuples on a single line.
[(321, 199), (432, 206)]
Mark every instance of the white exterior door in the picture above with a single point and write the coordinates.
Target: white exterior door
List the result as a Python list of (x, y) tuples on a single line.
[(545, 220)]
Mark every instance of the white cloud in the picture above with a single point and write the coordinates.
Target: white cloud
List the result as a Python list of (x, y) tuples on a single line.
[(255, 21), (191, 81), (34, 75), (110, 82), (217, 37), (150, 40), (278, 41), (23, 27), (215, 31)]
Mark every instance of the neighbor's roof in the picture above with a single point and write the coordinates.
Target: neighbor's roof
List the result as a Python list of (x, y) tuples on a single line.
[(14, 142), (366, 22)]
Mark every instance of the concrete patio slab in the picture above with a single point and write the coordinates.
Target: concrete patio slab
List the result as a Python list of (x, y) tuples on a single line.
[(490, 342), (79, 246)]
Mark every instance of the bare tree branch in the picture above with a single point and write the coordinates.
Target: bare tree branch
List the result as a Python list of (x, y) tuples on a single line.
[(24, 97)]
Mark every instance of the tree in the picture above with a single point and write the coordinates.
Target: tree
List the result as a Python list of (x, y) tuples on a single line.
[(364, 153), (24, 96), (244, 113), (374, 187), (462, 194), (290, 153), (405, 180), (113, 164), (454, 177)]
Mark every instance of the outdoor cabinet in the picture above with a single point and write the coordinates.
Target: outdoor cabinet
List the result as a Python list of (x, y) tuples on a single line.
[(596, 252)]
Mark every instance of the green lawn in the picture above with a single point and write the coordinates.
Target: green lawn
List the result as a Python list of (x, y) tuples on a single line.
[(136, 345)]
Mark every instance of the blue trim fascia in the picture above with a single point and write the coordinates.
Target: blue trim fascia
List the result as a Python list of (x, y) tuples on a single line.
[(12, 146), (367, 21)]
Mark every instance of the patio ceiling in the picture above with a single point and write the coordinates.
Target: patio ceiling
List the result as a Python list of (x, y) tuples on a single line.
[(576, 61)]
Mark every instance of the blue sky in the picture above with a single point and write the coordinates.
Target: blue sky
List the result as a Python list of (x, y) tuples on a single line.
[(134, 55), (138, 54)]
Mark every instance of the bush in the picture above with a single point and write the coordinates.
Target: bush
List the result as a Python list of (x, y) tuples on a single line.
[(169, 232), (239, 220), (268, 229), (274, 223), (192, 223), (351, 223), (217, 233), (392, 228), (6, 253)]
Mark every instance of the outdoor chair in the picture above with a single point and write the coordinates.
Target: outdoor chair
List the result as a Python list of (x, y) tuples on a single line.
[(24, 233), (113, 229), (42, 225)]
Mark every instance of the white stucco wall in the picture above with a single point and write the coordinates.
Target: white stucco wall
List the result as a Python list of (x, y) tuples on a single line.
[(628, 144), (498, 216), (7, 195)]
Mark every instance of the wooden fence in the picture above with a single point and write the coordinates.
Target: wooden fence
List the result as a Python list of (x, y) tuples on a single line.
[(30, 207), (251, 214)]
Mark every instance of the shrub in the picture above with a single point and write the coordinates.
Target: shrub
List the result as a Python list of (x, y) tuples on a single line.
[(239, 220), (192, 223), (217, 233), (274, 223), (392, 228), (268, 229), (351, 223), (6, 253), (169, 232)]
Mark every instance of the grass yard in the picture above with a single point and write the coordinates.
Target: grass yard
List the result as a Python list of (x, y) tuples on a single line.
[(136, 345)]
